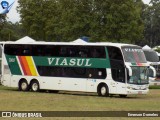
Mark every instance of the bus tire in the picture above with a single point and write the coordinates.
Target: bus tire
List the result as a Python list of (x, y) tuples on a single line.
[(23, 85), (103, 90), (34, 86)]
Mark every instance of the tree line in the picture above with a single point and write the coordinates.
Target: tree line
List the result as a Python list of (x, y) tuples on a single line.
[(126, 21)]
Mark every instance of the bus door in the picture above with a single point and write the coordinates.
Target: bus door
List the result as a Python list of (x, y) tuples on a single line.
[(6, 77), (6, 71), (121, 83), (118, 76), (117, 70)]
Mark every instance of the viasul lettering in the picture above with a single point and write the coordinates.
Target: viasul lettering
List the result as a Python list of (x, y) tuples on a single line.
[(69, 62), (133, 50)]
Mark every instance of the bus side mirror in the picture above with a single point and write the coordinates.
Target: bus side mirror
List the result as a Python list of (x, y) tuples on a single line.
[(129, 70), (154, 70)]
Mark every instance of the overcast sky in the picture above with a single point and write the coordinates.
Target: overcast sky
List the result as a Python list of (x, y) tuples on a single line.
[(13, 16)]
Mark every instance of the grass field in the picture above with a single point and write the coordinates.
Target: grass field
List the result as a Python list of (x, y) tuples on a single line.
[(14, 100)]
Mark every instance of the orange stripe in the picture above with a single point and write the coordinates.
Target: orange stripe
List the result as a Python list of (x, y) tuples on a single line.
[(31, 65), (26, 66)]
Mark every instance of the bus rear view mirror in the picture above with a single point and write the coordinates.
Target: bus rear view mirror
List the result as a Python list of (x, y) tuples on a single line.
[(129, 70), (152, 69)]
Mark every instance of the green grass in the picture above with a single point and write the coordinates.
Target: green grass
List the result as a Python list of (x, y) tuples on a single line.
[(14, 100), (155, 87)]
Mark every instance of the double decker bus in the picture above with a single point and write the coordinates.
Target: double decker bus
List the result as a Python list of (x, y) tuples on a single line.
[(154, 71), (103, 68)]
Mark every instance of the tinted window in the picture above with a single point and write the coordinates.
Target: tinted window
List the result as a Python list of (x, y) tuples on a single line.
[(117, 64), (134, 54), (74, 72), (56, 50), (118, 70), (83, 51), (151, 56), (114, 53)]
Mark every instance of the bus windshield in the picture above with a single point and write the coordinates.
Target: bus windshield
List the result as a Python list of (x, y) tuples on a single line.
[(139, 75), (134, 54)]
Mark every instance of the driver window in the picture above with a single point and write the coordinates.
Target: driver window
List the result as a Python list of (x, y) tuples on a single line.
[(117, 64)]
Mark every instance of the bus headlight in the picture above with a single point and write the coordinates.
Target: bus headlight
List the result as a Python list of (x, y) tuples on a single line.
[(138, 88)]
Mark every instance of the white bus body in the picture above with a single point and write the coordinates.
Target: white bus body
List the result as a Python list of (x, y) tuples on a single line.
[(1, 49), (153, 60), (104, 68)]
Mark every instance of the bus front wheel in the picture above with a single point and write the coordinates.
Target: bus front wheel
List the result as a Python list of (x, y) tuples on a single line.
[(23, 85), (103, 90), (34, 86)]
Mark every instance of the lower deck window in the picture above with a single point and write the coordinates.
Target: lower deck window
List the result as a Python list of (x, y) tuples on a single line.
[(73, 72)]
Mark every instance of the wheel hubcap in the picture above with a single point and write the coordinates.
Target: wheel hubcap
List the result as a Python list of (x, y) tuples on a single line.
[(24, 86), (103, 90), (35, 86)]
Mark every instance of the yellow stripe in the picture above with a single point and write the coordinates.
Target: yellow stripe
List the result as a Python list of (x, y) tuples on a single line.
[(31, 66)]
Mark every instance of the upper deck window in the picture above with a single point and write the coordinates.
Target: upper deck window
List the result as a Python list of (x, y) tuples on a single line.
[(56, 50)]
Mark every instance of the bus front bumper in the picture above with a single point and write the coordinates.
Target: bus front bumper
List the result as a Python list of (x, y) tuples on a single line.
[(137, 92)]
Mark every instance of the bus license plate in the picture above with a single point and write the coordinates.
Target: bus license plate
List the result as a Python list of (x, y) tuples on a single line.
[(139, 92)]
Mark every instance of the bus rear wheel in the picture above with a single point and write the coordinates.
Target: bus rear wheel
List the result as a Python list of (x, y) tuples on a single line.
[(23, 85), (34, 86), (103, 90)]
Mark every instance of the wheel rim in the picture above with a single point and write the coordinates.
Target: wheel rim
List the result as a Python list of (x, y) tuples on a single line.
[(24, 86), (103, 90), (35, 86)]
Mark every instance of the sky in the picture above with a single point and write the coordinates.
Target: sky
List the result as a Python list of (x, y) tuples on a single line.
[(14, 16)]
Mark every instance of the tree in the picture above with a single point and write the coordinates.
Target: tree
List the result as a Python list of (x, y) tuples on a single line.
[(120, 20), (67, 20), (11, 32), (152, 26), (70, 20), (33, 17), (2, 22)]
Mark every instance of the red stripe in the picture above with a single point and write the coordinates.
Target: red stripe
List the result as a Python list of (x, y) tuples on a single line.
[(136, 58), (22, 65), (140, 64)]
